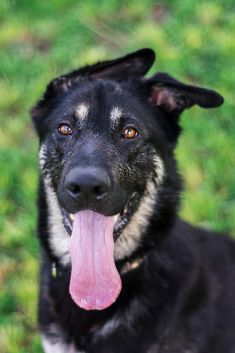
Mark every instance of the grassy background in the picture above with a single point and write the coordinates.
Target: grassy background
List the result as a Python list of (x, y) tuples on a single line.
[(194, 41)]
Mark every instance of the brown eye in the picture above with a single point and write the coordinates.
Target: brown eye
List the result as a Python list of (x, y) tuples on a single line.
[(65, 129), (130, 133)]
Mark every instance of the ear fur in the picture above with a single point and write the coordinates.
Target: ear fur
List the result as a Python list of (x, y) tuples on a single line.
[(174, 96), (133, 65)]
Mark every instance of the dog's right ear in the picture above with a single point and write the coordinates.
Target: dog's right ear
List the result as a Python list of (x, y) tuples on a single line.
[(134, 65)]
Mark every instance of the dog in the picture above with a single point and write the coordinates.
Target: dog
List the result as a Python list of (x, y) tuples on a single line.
[(120, 271)]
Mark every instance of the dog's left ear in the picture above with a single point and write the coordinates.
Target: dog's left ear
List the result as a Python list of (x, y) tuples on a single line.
[(174, 96)]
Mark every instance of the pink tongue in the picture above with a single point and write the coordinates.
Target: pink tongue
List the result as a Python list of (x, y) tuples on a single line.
[(95, 282)]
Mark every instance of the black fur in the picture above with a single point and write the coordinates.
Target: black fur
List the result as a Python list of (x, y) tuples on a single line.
[(181, 296)]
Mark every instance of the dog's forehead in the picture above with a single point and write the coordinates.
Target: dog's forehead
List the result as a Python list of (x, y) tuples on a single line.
[(106, 99), (85, 111)]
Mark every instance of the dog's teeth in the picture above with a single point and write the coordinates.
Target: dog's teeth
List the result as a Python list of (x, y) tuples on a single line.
[(116, 217), (71, 216)]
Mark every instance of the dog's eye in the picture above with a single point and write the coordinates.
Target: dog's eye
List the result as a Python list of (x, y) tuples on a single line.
[(130, 133), (65, 129)]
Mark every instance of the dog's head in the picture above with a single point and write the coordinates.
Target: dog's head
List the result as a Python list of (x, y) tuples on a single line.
[(107, 136)]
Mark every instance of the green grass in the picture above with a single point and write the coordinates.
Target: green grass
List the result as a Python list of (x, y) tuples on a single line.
[(194, 41)]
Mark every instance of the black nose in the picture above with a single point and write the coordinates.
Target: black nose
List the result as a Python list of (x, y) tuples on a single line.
[(87, 183)]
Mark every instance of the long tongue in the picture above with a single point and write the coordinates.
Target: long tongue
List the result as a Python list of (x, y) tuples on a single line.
[(94, 282)]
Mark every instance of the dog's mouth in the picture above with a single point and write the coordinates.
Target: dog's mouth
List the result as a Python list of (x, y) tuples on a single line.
[(121, 219), (95, 282)]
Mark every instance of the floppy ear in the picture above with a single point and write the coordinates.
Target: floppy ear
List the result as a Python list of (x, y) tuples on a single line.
[(174, 96)]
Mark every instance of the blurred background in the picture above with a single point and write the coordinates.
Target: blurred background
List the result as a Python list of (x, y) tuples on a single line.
[(194, 41)]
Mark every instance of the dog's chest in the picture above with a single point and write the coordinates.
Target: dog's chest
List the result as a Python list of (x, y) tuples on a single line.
[(56, 343), (58, 347)]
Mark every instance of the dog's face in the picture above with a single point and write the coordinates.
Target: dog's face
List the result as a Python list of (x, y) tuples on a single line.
[(100, 150), (107, 135)]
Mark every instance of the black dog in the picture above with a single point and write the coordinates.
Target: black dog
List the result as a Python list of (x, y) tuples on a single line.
[(120, 271)]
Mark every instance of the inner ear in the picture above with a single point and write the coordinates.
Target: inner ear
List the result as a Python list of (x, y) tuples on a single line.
[(170, 99)]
